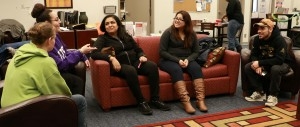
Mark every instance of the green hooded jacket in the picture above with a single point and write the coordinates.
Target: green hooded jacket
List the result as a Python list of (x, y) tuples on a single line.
[(31, 73)]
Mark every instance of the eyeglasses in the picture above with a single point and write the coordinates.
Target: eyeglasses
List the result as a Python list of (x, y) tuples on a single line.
[(178, 19), (56, 19)]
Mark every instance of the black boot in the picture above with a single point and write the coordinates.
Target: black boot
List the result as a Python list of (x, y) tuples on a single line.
[(159, 105), (239, 48), (144, 108)]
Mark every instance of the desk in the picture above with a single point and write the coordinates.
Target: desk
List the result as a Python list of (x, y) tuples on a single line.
[(219, 28), (68, 37), (220, 32), (84, 36), (75, 39)]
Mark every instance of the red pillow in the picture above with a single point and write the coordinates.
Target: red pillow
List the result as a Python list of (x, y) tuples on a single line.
[(214, 57)]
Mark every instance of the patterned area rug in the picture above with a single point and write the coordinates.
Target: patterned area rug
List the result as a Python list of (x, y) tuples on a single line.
[(282, 115)]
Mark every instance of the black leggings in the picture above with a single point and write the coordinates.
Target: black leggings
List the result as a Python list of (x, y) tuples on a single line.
[(176, 72), (74, 82), (130, 74)]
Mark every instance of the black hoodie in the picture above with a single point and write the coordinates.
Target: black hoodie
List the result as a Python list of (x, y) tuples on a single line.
[(272, 51)]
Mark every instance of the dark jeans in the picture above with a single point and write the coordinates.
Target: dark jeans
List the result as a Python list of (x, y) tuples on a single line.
[(233, 26), (81, 107), (273, 77), (130, 74), (74, 82), (176, 72)]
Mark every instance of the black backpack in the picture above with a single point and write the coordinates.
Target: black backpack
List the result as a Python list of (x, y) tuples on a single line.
[(206, 45)]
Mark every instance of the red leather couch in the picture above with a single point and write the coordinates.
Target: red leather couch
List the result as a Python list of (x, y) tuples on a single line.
[(111, 91)]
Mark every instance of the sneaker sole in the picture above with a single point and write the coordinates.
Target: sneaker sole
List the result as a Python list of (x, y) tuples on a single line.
[(270, 105), (251, 100)]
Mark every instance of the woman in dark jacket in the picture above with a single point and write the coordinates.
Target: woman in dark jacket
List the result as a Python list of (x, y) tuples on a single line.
[(178, 51), (128, 60)]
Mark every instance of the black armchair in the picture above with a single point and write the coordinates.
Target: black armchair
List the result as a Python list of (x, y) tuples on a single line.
[(289, 82), (42, 111)]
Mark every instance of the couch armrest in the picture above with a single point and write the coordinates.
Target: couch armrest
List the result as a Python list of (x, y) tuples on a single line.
[(46, 110), (232, 60), (245, 55), (100, 75), (245, 58)]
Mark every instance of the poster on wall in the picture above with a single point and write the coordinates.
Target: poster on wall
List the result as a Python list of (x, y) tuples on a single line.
[(55, 4), (192, 5)]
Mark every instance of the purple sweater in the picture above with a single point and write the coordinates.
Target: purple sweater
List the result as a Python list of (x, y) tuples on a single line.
[(65, 59)]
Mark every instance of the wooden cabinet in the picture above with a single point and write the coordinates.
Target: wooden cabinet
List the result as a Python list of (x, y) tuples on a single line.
[(84, 36), (75, 39), (68, 38)]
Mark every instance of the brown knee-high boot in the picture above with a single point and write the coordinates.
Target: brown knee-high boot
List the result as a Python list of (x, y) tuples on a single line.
[(200, 94), (180, 88)]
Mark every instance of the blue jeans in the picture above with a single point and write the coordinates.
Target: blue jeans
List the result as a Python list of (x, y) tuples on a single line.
[(4, 52), (81, 106), (233, 27)]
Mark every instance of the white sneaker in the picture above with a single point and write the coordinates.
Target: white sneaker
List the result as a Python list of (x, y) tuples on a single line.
[(256, 96), (271, 101)]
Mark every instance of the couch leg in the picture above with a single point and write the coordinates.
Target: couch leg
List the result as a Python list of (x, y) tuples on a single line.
[(106, 110)]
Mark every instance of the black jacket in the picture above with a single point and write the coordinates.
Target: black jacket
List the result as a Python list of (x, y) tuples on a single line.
[(234, 11), (127, 51), (272, 51)]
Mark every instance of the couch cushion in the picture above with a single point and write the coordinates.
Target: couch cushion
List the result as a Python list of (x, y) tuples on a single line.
[(150, 46), (164, 77)]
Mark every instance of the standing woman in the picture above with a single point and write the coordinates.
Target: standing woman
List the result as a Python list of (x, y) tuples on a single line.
[(178, 51), (127, 61), (65, 59), (35, 80)]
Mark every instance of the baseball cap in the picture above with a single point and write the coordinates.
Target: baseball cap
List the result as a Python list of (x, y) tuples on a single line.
[(265, 22)]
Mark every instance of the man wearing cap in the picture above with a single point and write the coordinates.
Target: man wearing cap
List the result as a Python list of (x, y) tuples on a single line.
[(269, 61), (235, 22)]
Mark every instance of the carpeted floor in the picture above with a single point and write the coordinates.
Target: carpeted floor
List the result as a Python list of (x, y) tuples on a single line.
[(130, 116), (283, 115)]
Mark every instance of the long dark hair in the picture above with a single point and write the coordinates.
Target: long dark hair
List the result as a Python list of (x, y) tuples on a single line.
[(40, 13), (121, 33), (188, 29)]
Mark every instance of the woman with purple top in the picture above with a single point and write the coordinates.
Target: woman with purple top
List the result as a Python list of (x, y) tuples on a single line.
[(65, 59)]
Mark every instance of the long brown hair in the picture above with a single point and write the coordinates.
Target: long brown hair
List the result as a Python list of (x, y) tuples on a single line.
[(187, 30), (40, 32)]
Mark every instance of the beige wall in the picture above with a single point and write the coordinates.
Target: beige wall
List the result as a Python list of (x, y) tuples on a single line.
[(162, 13), (20, 9)]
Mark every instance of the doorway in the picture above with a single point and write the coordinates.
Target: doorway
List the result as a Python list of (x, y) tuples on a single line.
[(136, 11)]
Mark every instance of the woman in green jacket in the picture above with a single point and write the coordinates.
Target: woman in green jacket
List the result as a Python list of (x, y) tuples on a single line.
[(36, 72)]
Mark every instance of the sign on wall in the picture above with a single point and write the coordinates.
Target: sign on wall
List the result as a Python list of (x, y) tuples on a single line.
[(192, 5)]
